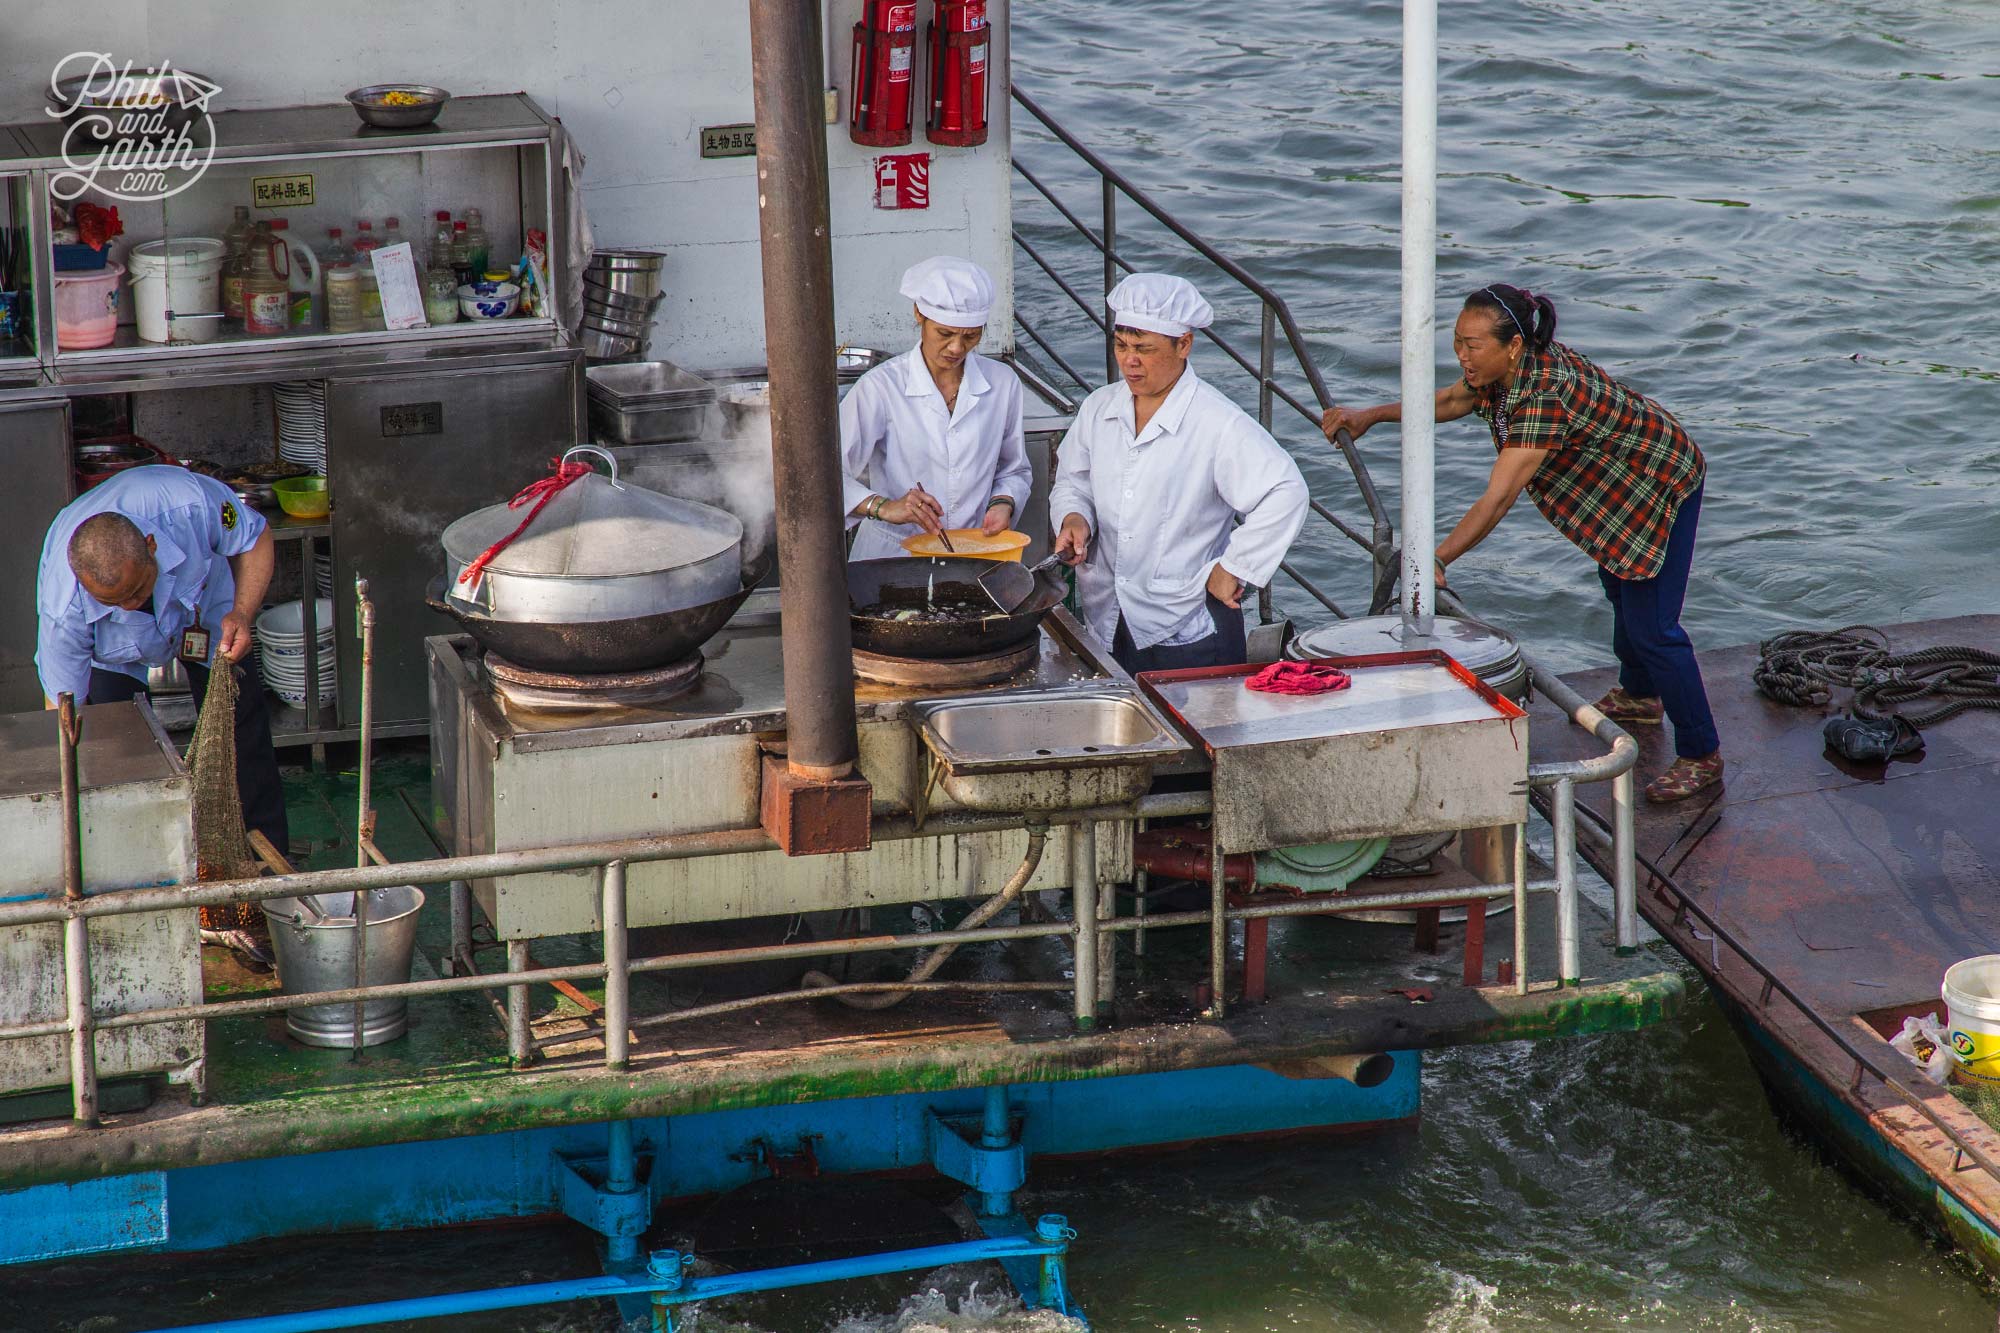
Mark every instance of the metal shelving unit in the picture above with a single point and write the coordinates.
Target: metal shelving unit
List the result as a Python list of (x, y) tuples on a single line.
[(423, 424)]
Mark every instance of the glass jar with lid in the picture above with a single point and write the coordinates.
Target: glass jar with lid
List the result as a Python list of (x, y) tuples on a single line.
[(343, 299), (440, 296)]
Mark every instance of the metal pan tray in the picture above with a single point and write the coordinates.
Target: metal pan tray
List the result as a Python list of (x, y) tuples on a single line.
[(647, 384), (648, 402)]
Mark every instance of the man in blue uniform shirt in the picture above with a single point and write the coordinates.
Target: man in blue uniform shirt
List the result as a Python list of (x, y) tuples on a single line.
[(158, 563)]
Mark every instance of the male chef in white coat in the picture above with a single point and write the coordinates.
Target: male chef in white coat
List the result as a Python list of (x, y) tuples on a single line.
[(1151, 482)]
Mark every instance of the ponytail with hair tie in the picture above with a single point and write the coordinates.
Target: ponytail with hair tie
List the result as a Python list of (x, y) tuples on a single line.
[(1532, 315)]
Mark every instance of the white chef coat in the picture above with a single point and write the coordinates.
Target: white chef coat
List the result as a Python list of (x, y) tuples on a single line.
[(895, 433), (1162, 507)]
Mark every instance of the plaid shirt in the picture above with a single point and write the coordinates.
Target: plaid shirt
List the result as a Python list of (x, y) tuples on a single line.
[(1618, 464)]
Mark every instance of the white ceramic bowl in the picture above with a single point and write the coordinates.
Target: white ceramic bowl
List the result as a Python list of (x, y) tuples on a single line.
[(287, 620)]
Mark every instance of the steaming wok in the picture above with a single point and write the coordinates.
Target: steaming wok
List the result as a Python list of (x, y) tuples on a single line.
[(877, 590), (599, 647)]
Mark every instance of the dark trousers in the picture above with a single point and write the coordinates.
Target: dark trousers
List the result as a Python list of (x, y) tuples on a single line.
[(1225, 647), (1655, 658), (258, 785)]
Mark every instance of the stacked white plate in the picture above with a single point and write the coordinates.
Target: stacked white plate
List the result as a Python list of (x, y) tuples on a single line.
[(281, 650), (302, 422), (323, 573)]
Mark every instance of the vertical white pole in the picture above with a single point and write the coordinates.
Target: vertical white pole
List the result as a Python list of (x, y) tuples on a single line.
[(1419, 312)]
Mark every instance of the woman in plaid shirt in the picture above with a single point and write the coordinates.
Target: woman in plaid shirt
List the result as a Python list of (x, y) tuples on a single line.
[(1616, 474)]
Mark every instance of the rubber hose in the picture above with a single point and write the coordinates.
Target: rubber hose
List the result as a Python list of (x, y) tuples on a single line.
[(1038, 836)]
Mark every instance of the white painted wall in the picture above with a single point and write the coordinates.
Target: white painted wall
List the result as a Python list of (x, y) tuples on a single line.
[(633, 82)]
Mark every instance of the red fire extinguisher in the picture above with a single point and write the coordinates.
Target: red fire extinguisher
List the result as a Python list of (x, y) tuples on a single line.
[(885, 48), (958, 40)]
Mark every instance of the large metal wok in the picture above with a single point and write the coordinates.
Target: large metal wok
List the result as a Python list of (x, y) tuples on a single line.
[(598, 647), (914, 583)]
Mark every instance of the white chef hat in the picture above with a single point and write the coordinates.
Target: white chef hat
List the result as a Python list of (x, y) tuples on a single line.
[(1159, 303), (950, 290)]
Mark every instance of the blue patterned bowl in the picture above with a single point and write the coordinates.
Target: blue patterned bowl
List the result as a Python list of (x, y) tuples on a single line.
[(486, 300)]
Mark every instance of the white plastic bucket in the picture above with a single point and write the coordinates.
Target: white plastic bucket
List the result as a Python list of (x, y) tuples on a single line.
[(183, 277), (87, 307), (1972, 1020)]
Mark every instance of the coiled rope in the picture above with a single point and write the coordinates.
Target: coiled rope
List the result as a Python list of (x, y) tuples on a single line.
[(1803, 667)]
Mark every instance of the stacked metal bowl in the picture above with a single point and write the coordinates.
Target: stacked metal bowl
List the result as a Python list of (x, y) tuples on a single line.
[(621, 289)]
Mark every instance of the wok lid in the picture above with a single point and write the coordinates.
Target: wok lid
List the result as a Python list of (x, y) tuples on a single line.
[(597, 527)]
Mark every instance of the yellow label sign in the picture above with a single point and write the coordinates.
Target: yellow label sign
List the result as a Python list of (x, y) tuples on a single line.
[(282, 191)]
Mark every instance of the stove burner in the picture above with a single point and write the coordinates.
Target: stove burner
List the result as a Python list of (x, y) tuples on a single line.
[(919, 672), (559, 692)]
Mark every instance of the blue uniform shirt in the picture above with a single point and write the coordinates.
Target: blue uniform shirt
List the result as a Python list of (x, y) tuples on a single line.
[(196, 524)]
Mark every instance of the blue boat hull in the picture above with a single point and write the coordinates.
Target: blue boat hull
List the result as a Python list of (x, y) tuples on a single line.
[(520, 1174), (1821, 1111)]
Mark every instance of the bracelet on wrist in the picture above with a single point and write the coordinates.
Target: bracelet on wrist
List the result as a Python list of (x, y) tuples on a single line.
[(1007, 500)]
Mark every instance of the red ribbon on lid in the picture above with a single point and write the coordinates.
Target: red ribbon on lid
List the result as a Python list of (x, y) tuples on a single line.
[(541, 492)]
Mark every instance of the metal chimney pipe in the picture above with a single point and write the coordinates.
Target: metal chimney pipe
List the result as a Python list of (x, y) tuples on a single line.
[(788, 83)]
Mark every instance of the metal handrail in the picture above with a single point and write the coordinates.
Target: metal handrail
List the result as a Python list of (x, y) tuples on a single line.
[(1275, 315), (610, 860), (1686, 906)]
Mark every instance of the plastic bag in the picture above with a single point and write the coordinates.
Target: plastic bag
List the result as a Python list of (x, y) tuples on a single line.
[(1922, 1040)]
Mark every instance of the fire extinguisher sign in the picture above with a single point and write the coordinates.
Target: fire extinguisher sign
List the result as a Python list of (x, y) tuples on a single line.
[(903, 180)]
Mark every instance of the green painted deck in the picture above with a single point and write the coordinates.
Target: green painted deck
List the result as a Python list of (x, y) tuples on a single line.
[(1336, 988)]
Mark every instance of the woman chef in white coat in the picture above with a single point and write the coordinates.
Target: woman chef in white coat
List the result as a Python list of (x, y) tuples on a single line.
[(932, 439)]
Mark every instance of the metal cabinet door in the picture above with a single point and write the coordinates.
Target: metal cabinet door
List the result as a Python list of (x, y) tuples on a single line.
[(407, 454), (34, 442)]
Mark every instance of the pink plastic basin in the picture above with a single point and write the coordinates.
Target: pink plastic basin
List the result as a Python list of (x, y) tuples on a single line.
[(87, 307)]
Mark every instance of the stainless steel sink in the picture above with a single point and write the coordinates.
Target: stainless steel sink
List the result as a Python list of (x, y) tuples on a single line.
[(1045, 751)]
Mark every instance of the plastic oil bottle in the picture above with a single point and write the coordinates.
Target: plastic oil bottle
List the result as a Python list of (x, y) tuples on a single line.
[(440, 253), (366, 243), (306, 299), (461, 255), (267, 284), (476, 246)]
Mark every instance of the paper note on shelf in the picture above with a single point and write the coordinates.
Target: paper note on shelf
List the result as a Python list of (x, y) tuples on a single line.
[(402, 297)]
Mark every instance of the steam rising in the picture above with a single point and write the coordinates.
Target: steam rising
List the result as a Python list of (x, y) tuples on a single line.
[(744, 478)]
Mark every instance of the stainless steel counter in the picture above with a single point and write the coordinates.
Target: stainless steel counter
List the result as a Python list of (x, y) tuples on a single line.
[(503, 780), (138, 828), (742, 689)]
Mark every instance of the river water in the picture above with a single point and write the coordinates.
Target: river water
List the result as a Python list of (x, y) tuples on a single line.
[(1779, 218)]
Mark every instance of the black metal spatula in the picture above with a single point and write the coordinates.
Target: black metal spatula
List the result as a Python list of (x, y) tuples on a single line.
[(1010, 583)]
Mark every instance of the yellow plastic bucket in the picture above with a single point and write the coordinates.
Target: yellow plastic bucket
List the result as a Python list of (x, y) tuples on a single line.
[(970, 543), (1972, 1002)]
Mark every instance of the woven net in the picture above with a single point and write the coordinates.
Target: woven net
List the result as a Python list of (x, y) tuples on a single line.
[(222, 848)]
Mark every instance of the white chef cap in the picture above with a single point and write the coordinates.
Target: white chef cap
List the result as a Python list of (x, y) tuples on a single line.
[(950, 290), (1159, 303)]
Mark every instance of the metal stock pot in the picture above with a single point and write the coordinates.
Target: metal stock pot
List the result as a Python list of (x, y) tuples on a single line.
[(601, 550)]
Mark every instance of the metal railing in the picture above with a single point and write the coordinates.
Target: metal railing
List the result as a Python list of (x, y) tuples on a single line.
[(1603, 832), (1088, 932), (1274, 317)]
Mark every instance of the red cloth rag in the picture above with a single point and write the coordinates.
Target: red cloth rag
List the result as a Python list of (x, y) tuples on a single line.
[(541, 493), (1297, 678)]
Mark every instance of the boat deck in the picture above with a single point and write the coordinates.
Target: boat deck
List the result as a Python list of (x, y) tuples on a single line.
[(1857, 886), (1335, 988)]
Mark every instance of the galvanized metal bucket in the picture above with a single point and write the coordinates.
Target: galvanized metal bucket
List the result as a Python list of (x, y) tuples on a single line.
[(318, 955)]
